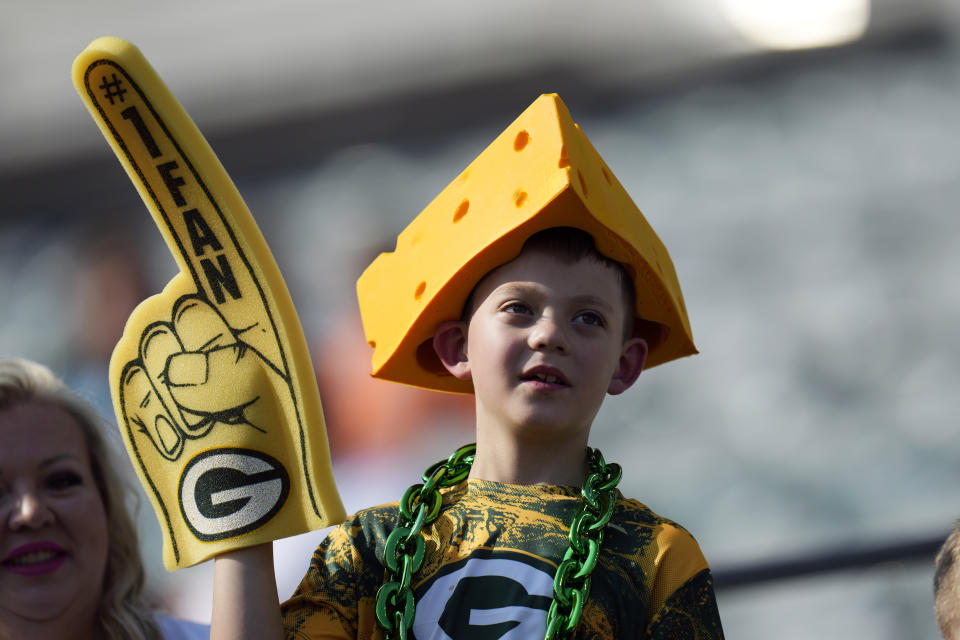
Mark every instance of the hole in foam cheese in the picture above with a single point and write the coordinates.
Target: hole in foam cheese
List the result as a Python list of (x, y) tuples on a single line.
[(461, 210), (521, 140)]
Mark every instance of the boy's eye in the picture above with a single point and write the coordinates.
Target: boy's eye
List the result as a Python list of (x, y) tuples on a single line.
[(589, 317), (61, 480), (515, 307)]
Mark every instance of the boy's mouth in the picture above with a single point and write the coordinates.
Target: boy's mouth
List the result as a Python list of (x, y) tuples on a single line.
[(547, 375)]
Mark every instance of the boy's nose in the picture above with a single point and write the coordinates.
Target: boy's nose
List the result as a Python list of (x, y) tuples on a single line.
[(548, 334), (30, 511)]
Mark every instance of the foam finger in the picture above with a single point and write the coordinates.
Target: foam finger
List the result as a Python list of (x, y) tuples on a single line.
[(228, 293)]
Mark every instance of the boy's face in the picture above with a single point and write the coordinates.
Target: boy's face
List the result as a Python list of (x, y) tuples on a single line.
[(545, 344)]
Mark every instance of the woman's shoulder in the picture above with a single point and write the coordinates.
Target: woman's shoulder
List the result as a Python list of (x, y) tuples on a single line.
[(175, 629)]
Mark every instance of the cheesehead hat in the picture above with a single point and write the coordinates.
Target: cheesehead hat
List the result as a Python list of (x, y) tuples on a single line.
[(541, 172)]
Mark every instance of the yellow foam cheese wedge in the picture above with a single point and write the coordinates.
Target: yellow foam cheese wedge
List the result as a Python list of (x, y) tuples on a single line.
[(541, 172), (213, 387)]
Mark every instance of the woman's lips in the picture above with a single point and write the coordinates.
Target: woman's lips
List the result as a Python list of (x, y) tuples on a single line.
[(34, 559)]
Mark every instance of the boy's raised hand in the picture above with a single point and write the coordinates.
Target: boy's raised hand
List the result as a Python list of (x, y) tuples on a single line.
[(212, 381)]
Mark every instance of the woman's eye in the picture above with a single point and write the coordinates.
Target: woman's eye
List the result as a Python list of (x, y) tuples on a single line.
[(63, 480), (589, 317)]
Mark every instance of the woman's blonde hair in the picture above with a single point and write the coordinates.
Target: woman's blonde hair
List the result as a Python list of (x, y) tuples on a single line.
[(123, 612)]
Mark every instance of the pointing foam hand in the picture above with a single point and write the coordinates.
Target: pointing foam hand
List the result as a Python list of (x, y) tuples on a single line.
[(212, 382)]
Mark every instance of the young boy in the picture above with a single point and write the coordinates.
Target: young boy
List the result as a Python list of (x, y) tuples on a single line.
[(540, 309)]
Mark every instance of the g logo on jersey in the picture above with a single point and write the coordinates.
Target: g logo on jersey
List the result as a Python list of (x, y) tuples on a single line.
[(228, 491), (505, 597)]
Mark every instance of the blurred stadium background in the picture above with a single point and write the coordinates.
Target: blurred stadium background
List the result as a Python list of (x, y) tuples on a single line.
[(799, 159)]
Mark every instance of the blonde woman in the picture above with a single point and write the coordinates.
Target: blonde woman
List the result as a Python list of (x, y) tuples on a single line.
[(69, 560)]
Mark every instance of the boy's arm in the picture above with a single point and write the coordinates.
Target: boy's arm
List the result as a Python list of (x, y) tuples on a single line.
[(245, 601)]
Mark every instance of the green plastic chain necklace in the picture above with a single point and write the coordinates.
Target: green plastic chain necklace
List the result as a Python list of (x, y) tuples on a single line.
[(420, 505)]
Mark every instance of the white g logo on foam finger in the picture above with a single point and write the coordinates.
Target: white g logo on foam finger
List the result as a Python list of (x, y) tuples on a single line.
[(228, 491)]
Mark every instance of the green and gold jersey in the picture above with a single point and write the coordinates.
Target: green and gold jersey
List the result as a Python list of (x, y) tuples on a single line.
[(489, 566)]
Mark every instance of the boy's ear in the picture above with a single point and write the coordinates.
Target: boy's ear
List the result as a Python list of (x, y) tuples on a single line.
[(632, 358), (450, 343)]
